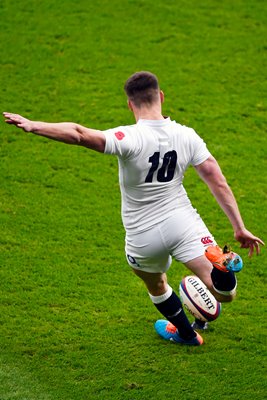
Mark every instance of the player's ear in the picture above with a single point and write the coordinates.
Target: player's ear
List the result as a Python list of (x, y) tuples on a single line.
[(130, 106), (161, 94)]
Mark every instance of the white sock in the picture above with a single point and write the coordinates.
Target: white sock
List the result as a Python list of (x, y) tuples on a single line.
[(162, 297)]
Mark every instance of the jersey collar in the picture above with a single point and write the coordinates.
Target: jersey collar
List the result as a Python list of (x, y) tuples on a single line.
[(154, 122)]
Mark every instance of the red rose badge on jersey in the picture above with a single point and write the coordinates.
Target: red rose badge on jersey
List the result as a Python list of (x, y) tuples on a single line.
[(119, 135)]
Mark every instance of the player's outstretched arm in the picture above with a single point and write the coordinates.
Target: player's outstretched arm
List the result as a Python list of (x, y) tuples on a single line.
[(212, 175), (67, 132)]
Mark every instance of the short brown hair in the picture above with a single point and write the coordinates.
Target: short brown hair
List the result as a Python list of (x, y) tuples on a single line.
[(142, 88)]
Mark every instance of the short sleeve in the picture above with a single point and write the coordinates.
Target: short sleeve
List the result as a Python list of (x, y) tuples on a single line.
[(119, 142), (198, 149)]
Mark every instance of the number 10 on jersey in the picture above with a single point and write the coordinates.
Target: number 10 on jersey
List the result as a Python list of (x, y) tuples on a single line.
[(166, 172)]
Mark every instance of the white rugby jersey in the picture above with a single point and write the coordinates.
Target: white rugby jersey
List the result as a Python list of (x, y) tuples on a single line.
[(153, 156)]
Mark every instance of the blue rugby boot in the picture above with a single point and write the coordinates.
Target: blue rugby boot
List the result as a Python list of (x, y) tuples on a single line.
[(168, 331), (200, 325)]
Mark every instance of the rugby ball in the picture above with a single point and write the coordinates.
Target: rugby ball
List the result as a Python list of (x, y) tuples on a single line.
[(198, 300)]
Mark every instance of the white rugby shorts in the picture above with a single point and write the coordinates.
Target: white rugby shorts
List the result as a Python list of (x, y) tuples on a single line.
[(182, 236)]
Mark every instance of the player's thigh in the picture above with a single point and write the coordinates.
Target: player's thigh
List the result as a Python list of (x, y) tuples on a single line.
[(202, 268), (194, 237), (145, 251)]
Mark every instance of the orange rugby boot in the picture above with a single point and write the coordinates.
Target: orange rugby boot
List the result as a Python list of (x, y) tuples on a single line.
[(225, 260)]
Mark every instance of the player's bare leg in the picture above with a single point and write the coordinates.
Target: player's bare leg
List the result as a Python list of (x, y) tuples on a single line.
[(156, 283), (176, 328), (202, 268)]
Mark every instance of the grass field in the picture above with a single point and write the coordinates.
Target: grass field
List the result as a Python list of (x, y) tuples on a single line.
[(75, 324)]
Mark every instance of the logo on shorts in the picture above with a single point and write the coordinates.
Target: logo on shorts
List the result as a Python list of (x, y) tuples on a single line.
[(133, 261), (119, 135), (206, 240)]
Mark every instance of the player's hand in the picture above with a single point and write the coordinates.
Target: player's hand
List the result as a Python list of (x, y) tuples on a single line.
[(19, 121), (248, 241)]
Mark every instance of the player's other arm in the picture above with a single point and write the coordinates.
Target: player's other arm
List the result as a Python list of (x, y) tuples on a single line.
[(67, 132), (211, 174)]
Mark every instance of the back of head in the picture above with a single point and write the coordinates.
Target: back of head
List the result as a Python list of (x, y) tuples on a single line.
[(142, 88)]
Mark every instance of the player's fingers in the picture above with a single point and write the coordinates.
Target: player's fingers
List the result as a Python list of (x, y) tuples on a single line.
[(9, 115), (13, 117), (6, 114), (17, 120), (251, 250), (11, 121), (257, 246), (8, 118), (258, 240)]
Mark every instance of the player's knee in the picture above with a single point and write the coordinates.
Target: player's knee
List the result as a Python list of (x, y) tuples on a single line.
[(156, 283), (157, 288)]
